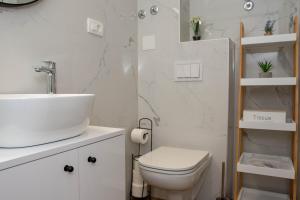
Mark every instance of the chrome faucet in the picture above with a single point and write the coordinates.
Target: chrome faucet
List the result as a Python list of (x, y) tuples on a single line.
[(50, 69)]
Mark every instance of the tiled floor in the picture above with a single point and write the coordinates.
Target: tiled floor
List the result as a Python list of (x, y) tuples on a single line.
[(148, 198)]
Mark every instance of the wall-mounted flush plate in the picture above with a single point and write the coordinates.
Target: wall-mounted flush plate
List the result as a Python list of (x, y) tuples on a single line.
[(188, 71), (95, 27)]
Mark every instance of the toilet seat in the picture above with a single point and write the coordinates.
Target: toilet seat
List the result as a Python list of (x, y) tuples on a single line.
[(174, 161)]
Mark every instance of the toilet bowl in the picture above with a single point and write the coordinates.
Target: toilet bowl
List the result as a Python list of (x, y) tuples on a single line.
[(179, 172)]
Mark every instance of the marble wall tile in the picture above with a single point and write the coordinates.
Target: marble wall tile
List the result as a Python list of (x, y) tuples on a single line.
[(56, 30), (221, 19), (185, 114)]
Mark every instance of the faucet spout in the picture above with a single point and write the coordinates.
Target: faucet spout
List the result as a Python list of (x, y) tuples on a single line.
[(50, 69)]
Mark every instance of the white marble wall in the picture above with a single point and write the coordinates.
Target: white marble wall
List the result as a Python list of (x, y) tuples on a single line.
[(221, 19), (186, 114), (56, 30)]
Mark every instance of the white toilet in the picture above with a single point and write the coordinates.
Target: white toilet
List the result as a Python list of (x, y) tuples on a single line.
[(179, 172)]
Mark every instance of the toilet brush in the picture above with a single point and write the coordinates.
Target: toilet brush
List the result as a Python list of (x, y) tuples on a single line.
[(223, 184)]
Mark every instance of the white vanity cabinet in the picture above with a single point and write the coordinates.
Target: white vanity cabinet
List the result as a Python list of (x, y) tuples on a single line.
[(92, 169), (43, 179), (102, 170)]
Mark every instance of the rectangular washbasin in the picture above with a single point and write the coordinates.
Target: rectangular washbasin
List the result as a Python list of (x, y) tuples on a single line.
[(34, 119)]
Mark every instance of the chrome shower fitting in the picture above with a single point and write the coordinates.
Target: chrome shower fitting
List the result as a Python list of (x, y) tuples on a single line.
[(154, 10), (248, 5), (142, 14)]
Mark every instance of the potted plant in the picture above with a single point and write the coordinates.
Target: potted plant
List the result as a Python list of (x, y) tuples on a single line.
[(265, 67), (269, 27), (196, 22)]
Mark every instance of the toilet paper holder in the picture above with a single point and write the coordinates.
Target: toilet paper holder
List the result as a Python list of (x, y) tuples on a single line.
[(150, 129), (141, 125)]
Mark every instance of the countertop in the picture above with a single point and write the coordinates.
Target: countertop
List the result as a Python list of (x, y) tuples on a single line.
[(17, 156)]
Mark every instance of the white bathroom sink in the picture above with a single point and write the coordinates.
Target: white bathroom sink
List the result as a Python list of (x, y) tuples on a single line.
[(34, 119)]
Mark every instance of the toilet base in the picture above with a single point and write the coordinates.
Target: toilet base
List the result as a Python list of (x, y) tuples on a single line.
[(179, 195), (191, 194)]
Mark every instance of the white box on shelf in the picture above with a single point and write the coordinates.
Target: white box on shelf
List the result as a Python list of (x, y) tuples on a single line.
[(264, 116), (266, 165), (253, 194), (289, 126)]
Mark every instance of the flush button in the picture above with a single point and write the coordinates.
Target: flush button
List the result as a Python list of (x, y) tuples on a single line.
[(195, 70), (187, 71), (180, 71)]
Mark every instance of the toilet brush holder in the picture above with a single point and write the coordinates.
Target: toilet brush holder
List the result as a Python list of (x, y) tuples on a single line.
[(223, 197)]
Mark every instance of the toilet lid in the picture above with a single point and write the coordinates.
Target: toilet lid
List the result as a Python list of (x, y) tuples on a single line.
[(173, 159)]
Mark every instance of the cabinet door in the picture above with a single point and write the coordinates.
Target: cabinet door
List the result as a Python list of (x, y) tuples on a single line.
[(43, 179), (103, 178)]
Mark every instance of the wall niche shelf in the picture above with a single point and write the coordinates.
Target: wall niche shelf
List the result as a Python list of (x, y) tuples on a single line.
[(282, 81), (271, 165), (267, 126), (270, 42), (253, 194), (266, 165)]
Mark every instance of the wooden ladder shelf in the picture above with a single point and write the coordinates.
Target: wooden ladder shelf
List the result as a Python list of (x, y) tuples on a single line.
[(265, 44)]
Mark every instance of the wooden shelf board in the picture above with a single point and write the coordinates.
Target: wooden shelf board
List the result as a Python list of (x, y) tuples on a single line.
[(281, 81), (266, 165), (268, 126), (254, 194)]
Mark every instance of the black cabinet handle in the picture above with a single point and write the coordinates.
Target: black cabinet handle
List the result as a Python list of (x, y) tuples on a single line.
[(92, 159), (69, 168)]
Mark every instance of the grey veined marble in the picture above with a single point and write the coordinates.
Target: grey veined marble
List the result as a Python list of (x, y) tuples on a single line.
[(56, 30), (186, 114)]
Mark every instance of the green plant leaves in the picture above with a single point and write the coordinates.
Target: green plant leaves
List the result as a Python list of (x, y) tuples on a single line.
[(265, 66)]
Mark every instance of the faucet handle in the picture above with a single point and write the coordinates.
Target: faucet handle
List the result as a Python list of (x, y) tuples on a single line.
[(37, 68), (50, 63)]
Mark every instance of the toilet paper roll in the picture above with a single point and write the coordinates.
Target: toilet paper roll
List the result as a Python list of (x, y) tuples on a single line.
[(140, 191), (136, 165), (139, 136), (137, 178)]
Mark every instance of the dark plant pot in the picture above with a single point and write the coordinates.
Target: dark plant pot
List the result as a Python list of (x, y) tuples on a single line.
[(195, 38)]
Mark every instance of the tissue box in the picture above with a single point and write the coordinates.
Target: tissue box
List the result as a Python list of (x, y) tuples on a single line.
[(264, 116)]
